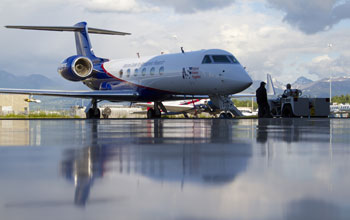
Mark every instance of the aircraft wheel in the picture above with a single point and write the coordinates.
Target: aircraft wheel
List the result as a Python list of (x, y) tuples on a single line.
[(225, 115), (222, 115), (150, 113), (91, 114), (97, 114)]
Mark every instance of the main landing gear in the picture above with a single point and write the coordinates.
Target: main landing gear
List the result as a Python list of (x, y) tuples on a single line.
[(92, 111), (225, 104), (225, 115), (155, 111)]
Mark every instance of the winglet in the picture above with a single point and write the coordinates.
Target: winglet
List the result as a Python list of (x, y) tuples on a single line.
[(269, 85)]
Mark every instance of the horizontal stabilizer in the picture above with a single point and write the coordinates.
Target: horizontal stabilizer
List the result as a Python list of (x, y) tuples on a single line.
[(72, 28)]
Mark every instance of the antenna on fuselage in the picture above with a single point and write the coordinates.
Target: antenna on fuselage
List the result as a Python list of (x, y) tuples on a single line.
[(182, 50)]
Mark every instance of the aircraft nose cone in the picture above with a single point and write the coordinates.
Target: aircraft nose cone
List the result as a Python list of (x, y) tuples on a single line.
[(246, 81)]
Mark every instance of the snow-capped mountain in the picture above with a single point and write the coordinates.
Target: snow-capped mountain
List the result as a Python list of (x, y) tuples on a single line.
[(301, 81), (320, 88)]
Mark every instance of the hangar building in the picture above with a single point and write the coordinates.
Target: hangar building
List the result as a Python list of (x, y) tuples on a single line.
[(13, 104)]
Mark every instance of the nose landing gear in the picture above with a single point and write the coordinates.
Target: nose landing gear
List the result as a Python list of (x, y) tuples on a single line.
[(225, 104)]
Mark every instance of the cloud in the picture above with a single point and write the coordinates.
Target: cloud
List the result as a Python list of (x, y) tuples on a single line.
[(313, 16), (323, 66), (191, 6), (118, 6), (137, 6)]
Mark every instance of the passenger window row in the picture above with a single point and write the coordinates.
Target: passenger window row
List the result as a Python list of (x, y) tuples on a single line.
[(219, 59), (143, 72)]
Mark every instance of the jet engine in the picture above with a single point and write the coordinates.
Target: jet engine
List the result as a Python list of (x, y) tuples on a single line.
[(76, 68)]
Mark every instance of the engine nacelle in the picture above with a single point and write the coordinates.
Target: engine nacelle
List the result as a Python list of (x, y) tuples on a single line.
[(76, 68)]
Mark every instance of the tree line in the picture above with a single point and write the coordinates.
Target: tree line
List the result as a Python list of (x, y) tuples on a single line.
[(245, 103), (341, 98)]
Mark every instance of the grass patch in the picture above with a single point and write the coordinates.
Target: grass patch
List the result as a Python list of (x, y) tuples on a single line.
[(38, 115)]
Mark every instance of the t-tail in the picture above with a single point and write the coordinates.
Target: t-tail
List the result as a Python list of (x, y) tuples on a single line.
[(80, 66), (270, 89)]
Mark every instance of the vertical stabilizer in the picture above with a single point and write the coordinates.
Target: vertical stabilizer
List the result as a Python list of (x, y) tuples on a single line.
[(82, 41), (270, 89)]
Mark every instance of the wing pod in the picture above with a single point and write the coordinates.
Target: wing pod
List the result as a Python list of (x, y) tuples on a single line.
[(76, 68)]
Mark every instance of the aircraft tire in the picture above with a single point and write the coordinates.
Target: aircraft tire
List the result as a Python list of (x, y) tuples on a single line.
[(92, 115), (98, 114), (228, 115), (150, 113), (225, 115)]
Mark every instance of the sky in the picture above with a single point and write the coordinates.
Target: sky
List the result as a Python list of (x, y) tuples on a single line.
[(286, 38)]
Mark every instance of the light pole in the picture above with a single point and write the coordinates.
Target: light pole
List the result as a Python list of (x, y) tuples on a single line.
[(330, 76)]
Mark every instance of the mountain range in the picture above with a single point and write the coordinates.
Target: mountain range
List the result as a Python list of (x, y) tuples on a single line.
[(34, 81)]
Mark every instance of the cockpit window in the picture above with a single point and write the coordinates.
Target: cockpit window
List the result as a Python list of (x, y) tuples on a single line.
[(206, 59), (233, 59), (220, 59)]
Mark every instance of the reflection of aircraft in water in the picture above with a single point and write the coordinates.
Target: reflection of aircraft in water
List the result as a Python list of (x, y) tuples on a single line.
[(200, 164), (160, 160), (82, 167)]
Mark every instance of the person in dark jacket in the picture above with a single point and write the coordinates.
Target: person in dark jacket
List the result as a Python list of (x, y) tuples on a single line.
[(261, 99), (288, 92)]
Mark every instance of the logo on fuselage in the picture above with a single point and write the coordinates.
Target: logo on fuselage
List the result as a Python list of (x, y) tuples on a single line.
[(190, 73)]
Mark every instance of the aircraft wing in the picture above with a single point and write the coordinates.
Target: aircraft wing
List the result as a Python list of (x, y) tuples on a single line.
[(119, 95), (243, 95), (169, 107)]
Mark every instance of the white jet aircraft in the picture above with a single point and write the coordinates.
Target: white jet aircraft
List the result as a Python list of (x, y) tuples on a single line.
[(214, 74)]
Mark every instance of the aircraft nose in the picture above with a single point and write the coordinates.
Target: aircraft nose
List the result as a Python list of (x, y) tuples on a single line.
[(246, 81)]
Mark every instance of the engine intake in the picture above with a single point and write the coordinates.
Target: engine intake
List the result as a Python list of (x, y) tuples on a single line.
[(76, 68)]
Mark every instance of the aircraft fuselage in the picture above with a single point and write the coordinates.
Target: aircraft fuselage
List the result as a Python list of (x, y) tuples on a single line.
[(181, 73)]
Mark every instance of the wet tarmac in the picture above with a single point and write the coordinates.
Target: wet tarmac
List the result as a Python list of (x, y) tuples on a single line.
[(175, 169)]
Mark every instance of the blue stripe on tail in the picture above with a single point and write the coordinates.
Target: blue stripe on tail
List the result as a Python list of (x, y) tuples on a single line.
[(82, 41)]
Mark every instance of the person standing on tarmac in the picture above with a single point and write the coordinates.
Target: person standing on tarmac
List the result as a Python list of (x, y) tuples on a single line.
[(261, 99), (288, 91)]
